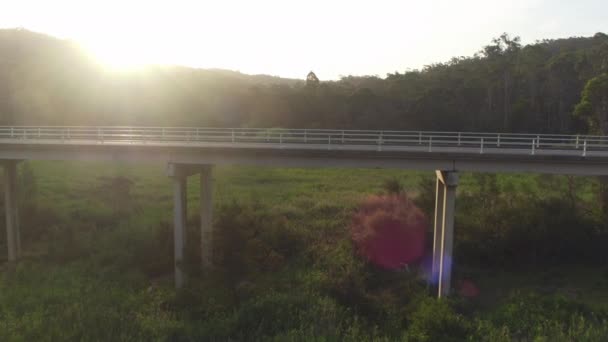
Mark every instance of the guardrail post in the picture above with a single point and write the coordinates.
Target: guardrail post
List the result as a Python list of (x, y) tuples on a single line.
[(420, 138), (481, 147), (305, 137), (537, 141), (577, 141), (533, 146), (233, 135), (280, 139), (585, 148), (431, 143), (329, 142), (498, 141), (342, 137), (459, 138), (162, 134)]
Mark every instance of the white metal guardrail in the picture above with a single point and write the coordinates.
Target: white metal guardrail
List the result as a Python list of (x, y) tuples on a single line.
[(472, 142)]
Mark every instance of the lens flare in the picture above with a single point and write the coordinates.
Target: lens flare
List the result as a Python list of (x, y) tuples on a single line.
[(389, 231)]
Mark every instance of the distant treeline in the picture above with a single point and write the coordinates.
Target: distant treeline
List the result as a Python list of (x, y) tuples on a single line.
[(504, 87)]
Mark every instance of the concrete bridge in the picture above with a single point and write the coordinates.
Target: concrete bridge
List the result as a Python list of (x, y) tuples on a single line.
[(192, 151)]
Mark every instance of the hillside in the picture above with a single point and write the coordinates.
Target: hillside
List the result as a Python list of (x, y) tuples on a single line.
[(505, 87)]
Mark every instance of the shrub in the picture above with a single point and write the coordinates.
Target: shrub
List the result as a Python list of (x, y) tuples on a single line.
[(435, 320), (393, 186), (527, 317), (249, 239)]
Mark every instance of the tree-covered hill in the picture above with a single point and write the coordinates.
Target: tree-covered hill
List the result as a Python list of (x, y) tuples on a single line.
[(504, 87)]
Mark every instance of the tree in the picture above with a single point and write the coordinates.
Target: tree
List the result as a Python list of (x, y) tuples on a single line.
[(594, 104), (312, 80), (594, 108), (502, 56)]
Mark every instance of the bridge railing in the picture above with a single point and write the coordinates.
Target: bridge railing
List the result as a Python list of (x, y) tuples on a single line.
[(382, 140)]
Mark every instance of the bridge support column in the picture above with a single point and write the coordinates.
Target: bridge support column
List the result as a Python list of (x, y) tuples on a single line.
[(444, 231), (206, 211), (180, 204), (179, 173), (13, 239)]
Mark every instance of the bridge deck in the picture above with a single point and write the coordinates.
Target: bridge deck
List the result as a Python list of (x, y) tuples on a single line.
[(491, 152)]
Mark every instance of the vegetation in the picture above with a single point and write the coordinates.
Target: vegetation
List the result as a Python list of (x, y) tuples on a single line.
[(287, 266)]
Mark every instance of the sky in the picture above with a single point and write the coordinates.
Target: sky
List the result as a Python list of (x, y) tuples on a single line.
[(285, 38)]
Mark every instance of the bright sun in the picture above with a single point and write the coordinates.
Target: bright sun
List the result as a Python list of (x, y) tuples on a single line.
[(117, 54)]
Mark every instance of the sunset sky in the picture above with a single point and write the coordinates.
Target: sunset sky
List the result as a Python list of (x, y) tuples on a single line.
[(288, 38)]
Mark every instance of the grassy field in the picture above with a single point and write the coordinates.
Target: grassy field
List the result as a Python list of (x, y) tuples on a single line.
[(98, 260)]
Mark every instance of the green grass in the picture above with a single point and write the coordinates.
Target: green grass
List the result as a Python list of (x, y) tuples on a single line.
[(98, 268)]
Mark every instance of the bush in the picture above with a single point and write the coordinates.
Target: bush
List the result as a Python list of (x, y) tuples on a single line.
[(249, 239), (69, 303), (393, 186), (496, 228), (435, 320), (527, 317)]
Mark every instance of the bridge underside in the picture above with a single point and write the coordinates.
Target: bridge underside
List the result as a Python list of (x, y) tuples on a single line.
[(279, 157)]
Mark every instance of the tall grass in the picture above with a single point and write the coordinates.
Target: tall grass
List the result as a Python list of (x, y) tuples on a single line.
[(98, 261)]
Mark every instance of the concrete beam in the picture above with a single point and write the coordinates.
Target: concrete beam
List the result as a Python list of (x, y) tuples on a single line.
[(592, 164), (206, 211), (10, 202), (183, 170), (444, 230)]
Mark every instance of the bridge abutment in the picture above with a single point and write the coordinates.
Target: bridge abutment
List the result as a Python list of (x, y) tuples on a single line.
[(13, 238), (179, 173), (443, 235)]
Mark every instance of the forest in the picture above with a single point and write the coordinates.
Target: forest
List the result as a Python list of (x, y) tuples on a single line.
[(505, 87), (529, 255)]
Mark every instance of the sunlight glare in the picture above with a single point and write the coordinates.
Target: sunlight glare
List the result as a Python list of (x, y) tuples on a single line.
[(121, 55)]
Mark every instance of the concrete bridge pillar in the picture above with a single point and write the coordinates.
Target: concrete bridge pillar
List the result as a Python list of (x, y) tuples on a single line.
[(180, 204), (206, 212), (179, 173), (443, 236), (13, 239)]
